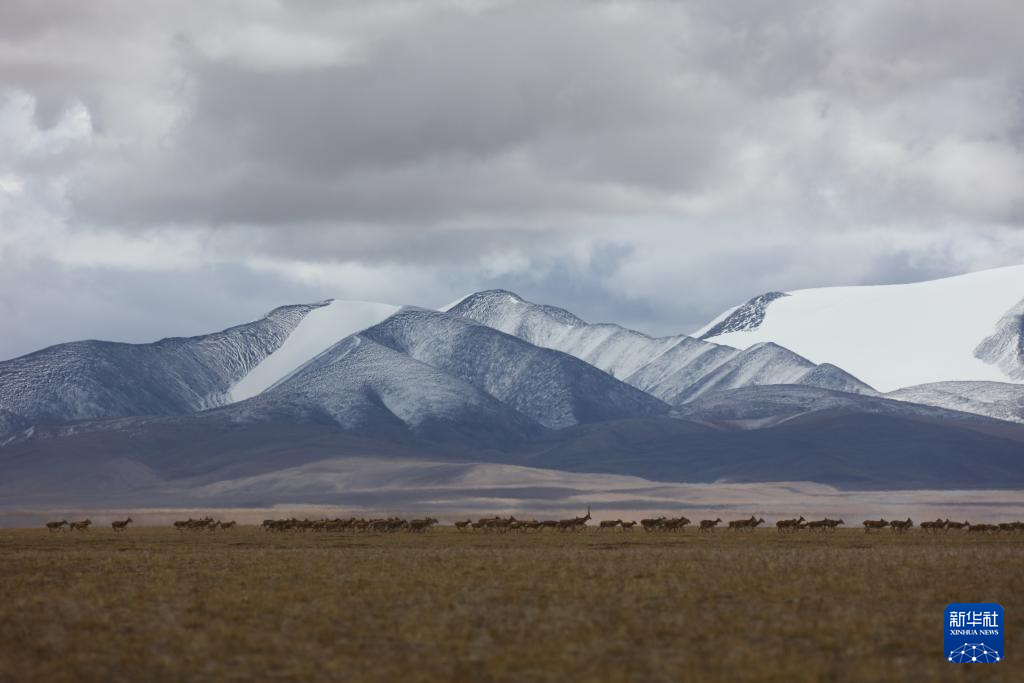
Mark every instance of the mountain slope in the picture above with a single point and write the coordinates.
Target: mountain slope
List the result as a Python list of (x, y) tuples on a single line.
[(999, 400), (1005, 347), (848, 450), (618, 351), (319, 329), (764, 364), (92, 379), (364, 387), (893, 336), (674, 369), (553, 388)]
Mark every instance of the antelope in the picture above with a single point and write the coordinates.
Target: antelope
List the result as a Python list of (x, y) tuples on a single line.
[(627, 526), (462, 526), (818, 525), (56, 526), (898, 527), (610, 524), (708, 525), (652, 524), (874, 525), (675, 524), (421, 525), (119, 525), (788, 525), (933, 527), (574, 524), (746, 524), (831, 524), (80, 526), (228, 525), (959, 526), (982, 528)]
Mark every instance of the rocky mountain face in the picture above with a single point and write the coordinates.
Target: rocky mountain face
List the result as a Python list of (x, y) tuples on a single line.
[(675, 369), (174, 376)]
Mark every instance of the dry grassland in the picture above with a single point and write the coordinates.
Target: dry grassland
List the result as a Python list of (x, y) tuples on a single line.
[(154, 604)]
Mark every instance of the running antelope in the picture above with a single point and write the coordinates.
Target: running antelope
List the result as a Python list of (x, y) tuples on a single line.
[(421, 525), (56, 526), (610, 524), (746, 524), (652, 524), (898, 527), (708, 525), (120, 525), (462, 526), (933, 527), (959, 526), (788, 525), (228, 525), (823, 525), (80, 526), (627, 526), (874, 524), (574, 524)]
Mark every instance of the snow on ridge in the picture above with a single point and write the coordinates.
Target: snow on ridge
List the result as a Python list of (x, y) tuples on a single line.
[(320, 329), (893, 336), (453, 304), (749, 316)]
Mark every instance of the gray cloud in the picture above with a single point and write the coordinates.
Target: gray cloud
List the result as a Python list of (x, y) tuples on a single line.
[(648, 162)]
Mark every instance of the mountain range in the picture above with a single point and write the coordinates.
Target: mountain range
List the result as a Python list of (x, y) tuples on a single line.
[(915, 386)]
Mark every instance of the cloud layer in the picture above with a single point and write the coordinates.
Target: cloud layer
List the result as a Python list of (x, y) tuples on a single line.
[(649, 162)]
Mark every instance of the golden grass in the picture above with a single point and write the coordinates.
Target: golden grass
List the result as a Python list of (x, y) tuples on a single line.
[(153, 604)]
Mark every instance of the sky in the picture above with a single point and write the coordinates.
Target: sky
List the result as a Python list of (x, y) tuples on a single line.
[(170, 172)]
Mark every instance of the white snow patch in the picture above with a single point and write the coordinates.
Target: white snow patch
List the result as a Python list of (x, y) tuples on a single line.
[(445, 309), (894, 336), (321, 328)]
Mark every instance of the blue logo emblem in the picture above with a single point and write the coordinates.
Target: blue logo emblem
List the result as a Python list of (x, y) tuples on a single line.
[(974, 633)]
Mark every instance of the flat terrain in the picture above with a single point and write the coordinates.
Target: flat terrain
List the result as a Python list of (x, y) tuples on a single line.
[(154, 604)]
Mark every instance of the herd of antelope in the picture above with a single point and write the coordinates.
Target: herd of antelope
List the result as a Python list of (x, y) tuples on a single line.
[(573, 525), (204, 524), (353, 524), (941, 526)]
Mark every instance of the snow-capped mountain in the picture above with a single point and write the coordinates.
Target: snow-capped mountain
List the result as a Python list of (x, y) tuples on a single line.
[(318, 330), (361, 386), (179, 375), (964, 328), (554, 388), (496, 379), (675, 369)]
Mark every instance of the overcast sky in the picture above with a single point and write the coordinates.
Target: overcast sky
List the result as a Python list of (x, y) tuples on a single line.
[(167, 171)]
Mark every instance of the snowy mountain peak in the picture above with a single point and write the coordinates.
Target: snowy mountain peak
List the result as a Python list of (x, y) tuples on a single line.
[(893, 336), (496, 304), (748, 316)]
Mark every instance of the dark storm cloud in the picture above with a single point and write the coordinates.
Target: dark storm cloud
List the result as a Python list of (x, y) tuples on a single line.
[(646, 162)]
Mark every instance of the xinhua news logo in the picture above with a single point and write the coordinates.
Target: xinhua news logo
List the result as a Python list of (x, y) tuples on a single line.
[(974, 633)]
